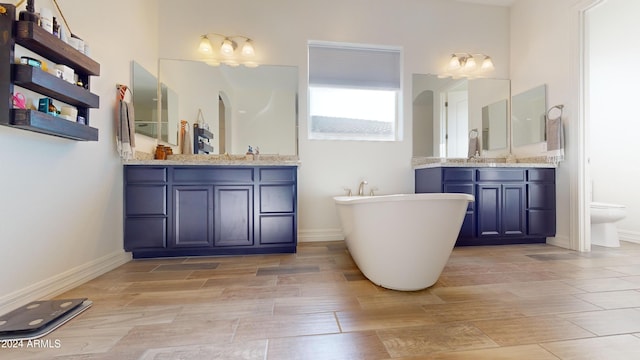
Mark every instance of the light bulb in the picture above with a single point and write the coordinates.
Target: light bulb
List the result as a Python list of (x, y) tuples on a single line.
[(205, 45), (247, 48), (470, 64), (227, 47), (454, 63), (487, 64)]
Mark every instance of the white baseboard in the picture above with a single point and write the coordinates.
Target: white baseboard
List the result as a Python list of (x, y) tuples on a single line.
[(320, 235), (62, 282), (629, 236), (560, 241)]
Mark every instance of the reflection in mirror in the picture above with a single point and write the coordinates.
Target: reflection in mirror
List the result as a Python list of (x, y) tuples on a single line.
[(144, 87), (494, 126), (444, 109), (241, 106), (527, 116)]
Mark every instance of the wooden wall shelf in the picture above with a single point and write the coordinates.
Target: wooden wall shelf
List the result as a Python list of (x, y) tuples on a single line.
[(47, 124), (35, 79), (32, 37), (38, 40)]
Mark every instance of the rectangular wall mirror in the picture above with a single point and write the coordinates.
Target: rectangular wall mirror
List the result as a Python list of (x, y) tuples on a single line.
[(446, 109), (528, 111), (494, 125)]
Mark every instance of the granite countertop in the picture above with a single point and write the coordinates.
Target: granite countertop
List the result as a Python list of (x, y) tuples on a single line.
[(429, 162), (204, 159)]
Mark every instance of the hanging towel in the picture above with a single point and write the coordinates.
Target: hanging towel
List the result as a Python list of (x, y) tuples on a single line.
[(184, 138), (125, 131), (555, 135), (474, 143)]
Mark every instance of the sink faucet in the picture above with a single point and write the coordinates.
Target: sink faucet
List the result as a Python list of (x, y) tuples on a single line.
[(361, 187)]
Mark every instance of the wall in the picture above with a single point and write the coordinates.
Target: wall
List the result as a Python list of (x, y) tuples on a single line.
[(428, 31), (61, 213), (613, 115), (546, 49)]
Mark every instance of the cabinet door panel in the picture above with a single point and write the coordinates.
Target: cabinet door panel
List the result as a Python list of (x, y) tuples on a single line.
[(145, 233), (488, 208), (233, 215), (192, 216), (513, 213)]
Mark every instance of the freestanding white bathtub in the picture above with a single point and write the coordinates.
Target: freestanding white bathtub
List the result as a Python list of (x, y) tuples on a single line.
[(402, 242)]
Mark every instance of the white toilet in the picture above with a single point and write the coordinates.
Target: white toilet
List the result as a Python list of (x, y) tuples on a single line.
[(604, 231)]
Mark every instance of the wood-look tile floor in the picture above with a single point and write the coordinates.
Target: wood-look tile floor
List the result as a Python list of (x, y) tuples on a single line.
[(494, 302)]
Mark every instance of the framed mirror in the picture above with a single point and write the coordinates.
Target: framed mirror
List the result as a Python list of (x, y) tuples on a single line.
[(241, 106), (446, 109), (528, 116)]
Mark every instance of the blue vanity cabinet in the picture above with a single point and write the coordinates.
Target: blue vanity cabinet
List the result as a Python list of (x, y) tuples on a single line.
[(512, 205), (210, 210)]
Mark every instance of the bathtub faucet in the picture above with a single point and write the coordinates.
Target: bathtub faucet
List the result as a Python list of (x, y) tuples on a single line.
[(361, 187)]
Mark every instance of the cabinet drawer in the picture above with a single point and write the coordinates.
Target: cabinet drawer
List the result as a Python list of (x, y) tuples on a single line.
[(277, 229), (501, 174), (542, 175), (277, 174), (463, 174), (146, 200), (142, 174), (145, 233), (541, 196), (277, 198), (461, 189), (209, 175)]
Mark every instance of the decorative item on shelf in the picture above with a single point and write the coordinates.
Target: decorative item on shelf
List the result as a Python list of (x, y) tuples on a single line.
[(227, 50), (201, 135), (25, 60), (29, 14), (19, 101), (466, 65)]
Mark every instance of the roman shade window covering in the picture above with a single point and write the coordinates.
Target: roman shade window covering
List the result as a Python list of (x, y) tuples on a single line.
[(351, 66)]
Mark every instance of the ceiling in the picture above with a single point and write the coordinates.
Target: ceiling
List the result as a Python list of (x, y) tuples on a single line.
[(490, 2)]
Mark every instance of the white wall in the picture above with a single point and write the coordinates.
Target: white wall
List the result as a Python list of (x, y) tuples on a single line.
[(428, 31), (545, 49), (614, 119), (61, 200)]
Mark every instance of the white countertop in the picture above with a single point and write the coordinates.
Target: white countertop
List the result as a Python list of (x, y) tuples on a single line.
[(425, 163), (212, 160)]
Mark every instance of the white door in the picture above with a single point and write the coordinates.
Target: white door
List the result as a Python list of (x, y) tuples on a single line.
[(457, 124)]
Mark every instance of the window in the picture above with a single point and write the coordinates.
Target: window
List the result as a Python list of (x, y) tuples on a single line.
[(354, 92)]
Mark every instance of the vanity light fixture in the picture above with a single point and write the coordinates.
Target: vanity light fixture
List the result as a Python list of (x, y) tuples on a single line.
[(466, 65), (227, 50)]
